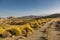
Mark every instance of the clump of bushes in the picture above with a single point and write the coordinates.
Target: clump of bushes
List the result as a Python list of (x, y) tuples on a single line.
[(15, 31), (2, 30), (26, 30)]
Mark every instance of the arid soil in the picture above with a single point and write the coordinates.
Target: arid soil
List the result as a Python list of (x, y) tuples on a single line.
[(49, 31)]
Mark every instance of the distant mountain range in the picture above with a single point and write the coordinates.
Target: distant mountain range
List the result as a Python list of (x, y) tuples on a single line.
[(53, 15), (32, 16), (49, 16)]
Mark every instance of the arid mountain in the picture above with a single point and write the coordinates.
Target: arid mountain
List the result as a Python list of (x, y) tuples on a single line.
[(54, 15)]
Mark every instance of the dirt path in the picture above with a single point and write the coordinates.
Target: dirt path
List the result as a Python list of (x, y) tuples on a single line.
[(38, 33)]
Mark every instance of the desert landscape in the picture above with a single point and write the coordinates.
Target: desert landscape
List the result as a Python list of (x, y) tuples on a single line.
[(30, 27), (29, 19)]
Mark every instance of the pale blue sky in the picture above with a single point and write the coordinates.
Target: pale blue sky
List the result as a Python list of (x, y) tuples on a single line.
[(28, 7)]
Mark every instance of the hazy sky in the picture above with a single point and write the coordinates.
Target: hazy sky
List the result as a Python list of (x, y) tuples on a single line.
[(28, 7)]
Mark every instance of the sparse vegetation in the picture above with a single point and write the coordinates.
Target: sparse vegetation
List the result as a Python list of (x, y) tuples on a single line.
[(25, 26)]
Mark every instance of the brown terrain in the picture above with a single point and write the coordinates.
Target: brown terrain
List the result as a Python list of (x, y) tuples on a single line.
[(30, 28)]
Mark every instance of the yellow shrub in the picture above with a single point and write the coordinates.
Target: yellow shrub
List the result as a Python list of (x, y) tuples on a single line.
[(2, 30), (26, 29), (29, 28), (15, 31), (29, 33), (22, 27)]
